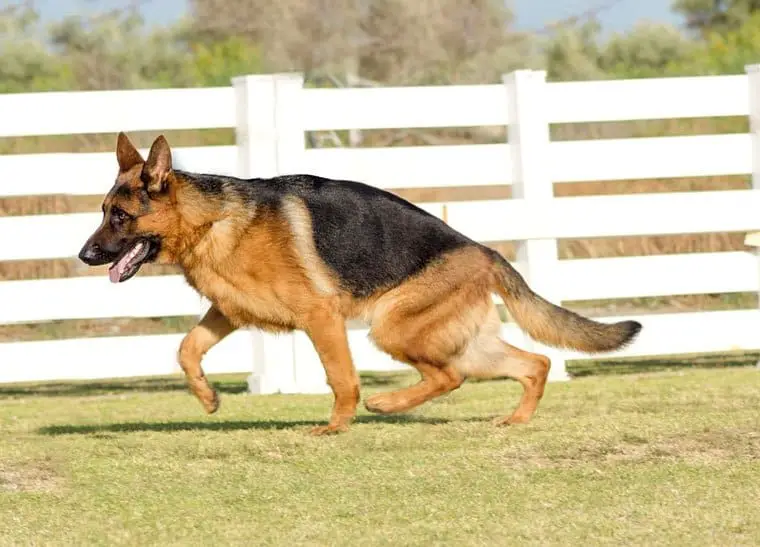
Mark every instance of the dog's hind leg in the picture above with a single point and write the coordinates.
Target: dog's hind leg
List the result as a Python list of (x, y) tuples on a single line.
[(490, 357), (531, 370), (428, 322), (435, 381), (206, 334)]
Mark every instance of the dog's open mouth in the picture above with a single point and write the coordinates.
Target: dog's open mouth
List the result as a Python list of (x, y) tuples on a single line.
[(129, 261)]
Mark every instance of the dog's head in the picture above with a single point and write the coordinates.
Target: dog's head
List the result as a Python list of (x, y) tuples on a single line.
[(137, 212)]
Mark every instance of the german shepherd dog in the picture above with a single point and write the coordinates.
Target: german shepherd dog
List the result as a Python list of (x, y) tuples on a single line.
[(309, 253)]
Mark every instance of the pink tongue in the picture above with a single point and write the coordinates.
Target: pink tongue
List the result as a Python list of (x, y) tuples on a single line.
[(114, 272)]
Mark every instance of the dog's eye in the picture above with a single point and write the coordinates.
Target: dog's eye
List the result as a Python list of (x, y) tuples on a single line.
[(118, 215)]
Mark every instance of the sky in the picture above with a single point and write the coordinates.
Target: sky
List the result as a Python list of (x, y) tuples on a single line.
[(531, 14), (620, 15)]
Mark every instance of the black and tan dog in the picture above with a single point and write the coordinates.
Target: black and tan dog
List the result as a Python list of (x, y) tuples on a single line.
[(309, 253)]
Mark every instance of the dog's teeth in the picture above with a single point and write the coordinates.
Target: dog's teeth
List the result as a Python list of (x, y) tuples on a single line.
[(133, 252)]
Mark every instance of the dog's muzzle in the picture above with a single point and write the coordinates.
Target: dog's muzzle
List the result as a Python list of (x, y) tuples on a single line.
[(93, 255)]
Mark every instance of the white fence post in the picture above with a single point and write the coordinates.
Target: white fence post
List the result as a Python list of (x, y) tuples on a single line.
[(256, 139), (753, 85), (307, 374), (270, 143), (528, 137)]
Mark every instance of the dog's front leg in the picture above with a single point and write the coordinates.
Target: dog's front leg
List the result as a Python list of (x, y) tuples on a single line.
[(327, 332), (210, 331)]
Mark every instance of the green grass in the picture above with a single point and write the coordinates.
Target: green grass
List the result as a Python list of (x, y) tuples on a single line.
[(655, 459)]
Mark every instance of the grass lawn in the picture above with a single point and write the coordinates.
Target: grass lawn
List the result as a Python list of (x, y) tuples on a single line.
[(656, 459)]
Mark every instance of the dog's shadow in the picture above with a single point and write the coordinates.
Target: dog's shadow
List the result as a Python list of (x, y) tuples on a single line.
[(235, 425)]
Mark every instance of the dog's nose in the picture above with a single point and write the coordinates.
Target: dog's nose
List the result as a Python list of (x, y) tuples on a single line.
[(90, 254)]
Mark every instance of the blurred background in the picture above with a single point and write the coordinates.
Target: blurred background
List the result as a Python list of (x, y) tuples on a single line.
[(57, 45), (106, 44)]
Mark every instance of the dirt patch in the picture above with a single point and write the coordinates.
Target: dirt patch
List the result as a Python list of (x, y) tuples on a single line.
[(711, 447), (30, 477)]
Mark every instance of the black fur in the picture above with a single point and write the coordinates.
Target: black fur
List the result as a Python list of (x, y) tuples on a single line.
[(371, 238), (208, 184), (123, 191)]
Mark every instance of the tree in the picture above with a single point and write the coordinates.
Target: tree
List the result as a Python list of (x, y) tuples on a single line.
[(114, 50), (390, 41), (577, 52), (216, 63), (645, 51), (705, 16), (25, 63), (572, 52), (724, 52)]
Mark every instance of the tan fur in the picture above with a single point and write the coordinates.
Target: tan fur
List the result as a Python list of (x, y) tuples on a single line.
[(212, 329), (444, 323), (300, 226), (434, 315), (554, 325), (257, 278), (435, 382), (488, 356), (260, 267)]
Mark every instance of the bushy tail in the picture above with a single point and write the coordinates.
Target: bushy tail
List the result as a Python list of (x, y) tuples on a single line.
[(553, 325)]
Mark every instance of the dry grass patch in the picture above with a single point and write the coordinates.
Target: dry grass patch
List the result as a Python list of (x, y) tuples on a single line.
[(27, 477)]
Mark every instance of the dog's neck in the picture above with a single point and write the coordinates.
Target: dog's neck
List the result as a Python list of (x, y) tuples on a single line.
[(206, 206)]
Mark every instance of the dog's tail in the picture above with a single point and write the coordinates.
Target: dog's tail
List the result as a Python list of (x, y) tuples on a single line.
[(553, 325)]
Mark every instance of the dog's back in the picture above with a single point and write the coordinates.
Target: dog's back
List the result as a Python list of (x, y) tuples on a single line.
[(370, 238)]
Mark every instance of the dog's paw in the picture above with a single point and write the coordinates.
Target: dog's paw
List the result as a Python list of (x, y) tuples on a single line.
[(211, 402), (329, 429), (205, 394), (514, 419), (382, 403)]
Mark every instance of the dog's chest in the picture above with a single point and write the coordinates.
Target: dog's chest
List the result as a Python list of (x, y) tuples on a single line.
[(244, 273), (243, 299)]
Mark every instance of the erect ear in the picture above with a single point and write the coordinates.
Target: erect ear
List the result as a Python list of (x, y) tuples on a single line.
[(157, 167), (126, 153)]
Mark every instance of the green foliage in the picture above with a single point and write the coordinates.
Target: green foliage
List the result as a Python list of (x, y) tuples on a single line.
[(573, 52), (115, 51), (217, 62), (25, 63), (645, 51), (724, 53), (707, 16), (578, 52)]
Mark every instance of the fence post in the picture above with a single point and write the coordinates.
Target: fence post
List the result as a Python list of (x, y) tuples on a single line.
[(307, 374), (528, 138), (270, 142), (753, 85)]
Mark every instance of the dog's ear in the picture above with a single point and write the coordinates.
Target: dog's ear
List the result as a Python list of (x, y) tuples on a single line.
[(155, 173), (126, 153)]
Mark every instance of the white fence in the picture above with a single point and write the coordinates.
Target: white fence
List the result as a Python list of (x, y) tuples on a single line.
[(271, 114)]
